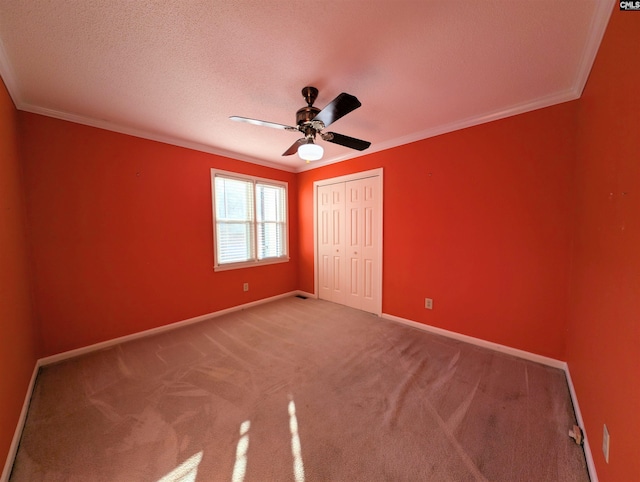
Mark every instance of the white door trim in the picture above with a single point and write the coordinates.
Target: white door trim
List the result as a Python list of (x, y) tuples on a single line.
[(334, 180)]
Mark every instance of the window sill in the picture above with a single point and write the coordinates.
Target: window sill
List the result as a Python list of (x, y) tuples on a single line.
[(250, 264)]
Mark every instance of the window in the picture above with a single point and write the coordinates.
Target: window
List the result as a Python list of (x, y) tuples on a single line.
[(249, 220)]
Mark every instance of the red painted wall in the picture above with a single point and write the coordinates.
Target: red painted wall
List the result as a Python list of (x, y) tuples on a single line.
[(17, 328), (480, 221), (604, 329), (122, 237)]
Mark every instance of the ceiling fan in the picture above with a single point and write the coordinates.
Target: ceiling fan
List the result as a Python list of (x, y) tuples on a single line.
[(311, 121)]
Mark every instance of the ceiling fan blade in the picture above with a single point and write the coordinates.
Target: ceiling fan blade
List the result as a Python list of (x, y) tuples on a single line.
[(294, 147), (337, 108), (257, 122), (346, 141)]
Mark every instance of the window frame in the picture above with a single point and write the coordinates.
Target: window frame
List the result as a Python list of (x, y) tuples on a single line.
[(253, 249)]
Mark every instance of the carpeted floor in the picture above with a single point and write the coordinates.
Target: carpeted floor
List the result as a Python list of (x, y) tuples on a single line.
[(299, 390)]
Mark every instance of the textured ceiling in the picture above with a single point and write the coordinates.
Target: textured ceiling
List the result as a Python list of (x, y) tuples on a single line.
[(175, 71)]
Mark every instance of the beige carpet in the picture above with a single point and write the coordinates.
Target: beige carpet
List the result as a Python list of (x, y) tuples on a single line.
[(298, 390)]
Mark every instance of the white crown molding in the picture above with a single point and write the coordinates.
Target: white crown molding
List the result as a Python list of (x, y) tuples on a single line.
[(604, 9), (417, 136), (8, 76), (598, 27), (101, 124), (484, 118), (599, 24)]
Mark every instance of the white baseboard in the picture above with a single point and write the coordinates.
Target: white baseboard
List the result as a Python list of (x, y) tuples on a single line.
[(13, 449), (160, 329), (105, 344), (552, 362), (591, 466)]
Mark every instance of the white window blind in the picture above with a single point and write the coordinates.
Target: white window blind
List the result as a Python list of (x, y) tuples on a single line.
[(234, 220), (271, 223), (250, 220)]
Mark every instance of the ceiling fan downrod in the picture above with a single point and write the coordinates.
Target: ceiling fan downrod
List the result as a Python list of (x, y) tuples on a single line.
[(306, 114)]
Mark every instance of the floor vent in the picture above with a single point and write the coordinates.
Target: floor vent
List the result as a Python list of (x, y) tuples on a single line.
[(302, 297)]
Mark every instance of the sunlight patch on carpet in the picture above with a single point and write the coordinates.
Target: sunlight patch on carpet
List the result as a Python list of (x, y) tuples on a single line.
[(296, 448), (187, 471), (240, 467)]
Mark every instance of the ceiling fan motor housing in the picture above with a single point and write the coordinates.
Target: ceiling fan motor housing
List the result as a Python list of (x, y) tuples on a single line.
[(306, 114)]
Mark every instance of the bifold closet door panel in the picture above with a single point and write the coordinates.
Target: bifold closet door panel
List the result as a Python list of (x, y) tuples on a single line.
[(331, 243)]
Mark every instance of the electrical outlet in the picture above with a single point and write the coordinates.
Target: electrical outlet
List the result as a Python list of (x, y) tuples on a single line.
[(245, 287), (428, 303), (605, 443)]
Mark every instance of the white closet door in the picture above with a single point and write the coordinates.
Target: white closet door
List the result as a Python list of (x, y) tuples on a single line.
[(362, 249), (331, 243), (349, 244)]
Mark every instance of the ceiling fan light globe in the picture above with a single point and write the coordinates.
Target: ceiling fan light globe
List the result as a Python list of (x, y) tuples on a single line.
[(310, 152)]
